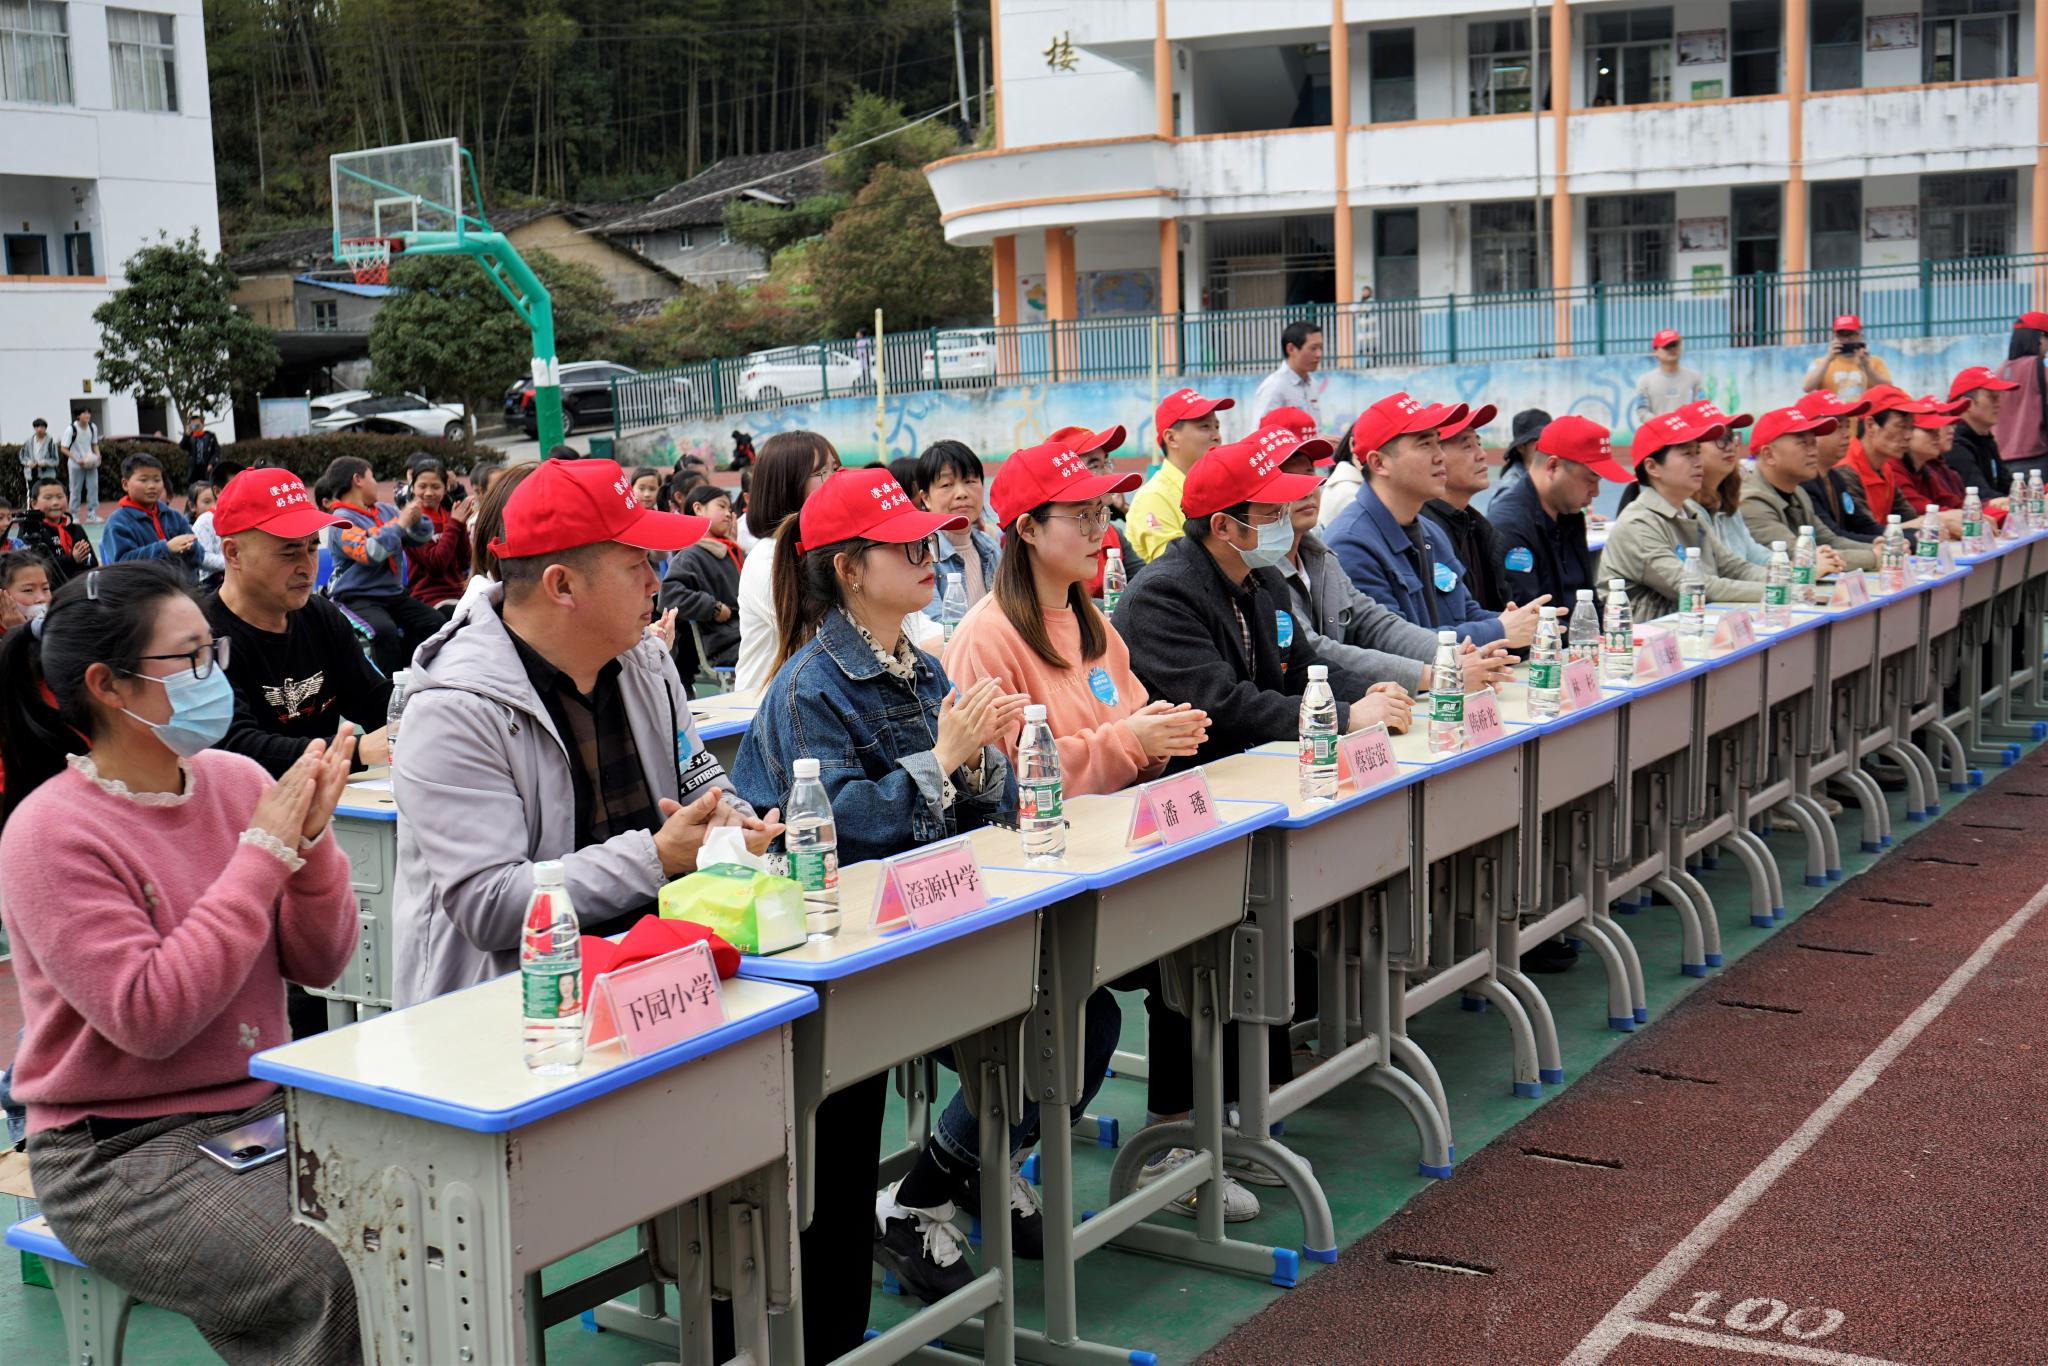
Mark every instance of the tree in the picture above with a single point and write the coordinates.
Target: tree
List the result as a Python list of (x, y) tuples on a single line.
[(768, 228), (888, 251), (174, 330), (868, 116), (447, 332)]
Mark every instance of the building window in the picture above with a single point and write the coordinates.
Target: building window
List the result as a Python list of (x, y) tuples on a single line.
[(1969, 40), (1756, 216), (1504, 247), (1837, 29), (724, 236), (685, 239), (1628, 56), (145, 60), (1501, 68), (1837, 213), (78, 254), (1629, 237), (1393, 75), (35, 54), (1754, 57), (1396, 249), (326, 316), (1972, 214), (26, 254)]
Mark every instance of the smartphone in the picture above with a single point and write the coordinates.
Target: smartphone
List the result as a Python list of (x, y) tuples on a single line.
[(252, 1145)]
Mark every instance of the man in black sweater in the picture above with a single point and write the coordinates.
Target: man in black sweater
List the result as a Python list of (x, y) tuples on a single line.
[(1837, 494), (295, 663), (1975, 454), (1473, 539), (1203, 620)]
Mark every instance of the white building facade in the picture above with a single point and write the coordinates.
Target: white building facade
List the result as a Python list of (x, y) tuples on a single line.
[(1182, 155), (105, 140)]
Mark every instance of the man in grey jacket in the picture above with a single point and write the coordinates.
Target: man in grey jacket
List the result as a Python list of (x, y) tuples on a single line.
[(543, 722)]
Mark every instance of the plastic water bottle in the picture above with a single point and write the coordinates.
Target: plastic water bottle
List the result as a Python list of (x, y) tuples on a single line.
[(1113, 579), (811, 839), (1777, 612), (551, 976), (1973, 522), (1618, 643), (953, 606), (1546, 666), (1446, 697), (1584, 638), (1317, 754), (1805, 553), (1040, 818), (1891, 559), (1692, 603), (1927, 544), (400, 682), (2037, 498)]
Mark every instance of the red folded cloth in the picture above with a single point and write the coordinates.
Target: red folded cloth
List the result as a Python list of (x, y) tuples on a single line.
[(651, 938)]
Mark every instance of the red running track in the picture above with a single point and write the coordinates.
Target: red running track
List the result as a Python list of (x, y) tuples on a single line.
[(1833, 1153)]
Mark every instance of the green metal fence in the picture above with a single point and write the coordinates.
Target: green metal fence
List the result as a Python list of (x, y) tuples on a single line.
[(1915, 299)]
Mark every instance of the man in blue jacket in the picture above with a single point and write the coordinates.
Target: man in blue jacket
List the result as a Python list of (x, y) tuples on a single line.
[(1542, 519), (1395, 555)]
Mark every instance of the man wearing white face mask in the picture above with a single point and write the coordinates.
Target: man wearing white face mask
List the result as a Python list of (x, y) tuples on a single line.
[(1205, 621)]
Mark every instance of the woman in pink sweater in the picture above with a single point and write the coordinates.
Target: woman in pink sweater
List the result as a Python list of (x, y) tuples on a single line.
[(158, 894)]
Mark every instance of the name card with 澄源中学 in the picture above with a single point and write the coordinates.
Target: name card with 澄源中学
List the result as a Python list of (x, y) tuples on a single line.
[(658, 1002), (1172, 809), (929, 886)]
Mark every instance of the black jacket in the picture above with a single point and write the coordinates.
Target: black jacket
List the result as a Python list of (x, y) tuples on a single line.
[(37, 535), (697, 581), (1554, 549), (1185, 646), (1976, 459), (293, 687), (1838, 497), (1478, 545)]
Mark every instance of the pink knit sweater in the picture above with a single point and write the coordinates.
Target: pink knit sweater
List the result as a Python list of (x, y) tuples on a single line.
[(151, 944)]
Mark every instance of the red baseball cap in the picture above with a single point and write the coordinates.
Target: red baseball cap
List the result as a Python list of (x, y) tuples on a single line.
[(1884, 398), (570, 503), (867, 503), (2035, 320), (1665, 338), (1241, 472), (1823, 403), (1183, 404), (1936, 414), (1283, 443), (1293, 419), (1704, 410), (1848, 322), (271, 500), (1081, 441), (1965, 382), (1787, 422), (1674, 428), (1471, 422), (1399, 415), (1583, 442), (1051, 472)]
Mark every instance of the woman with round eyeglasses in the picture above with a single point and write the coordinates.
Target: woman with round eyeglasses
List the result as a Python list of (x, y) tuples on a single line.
[(159, 893), (1720, 496)]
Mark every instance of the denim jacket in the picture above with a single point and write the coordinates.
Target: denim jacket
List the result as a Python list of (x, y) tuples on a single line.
[(872, 735), (948, 563)]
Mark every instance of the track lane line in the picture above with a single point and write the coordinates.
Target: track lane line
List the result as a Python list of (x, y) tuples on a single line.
[(1626, 1317), (1759, 1347)]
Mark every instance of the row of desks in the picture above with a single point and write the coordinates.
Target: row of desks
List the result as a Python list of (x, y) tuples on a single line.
[(449, 1175)]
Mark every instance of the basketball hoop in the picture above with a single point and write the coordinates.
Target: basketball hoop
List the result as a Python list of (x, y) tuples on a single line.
[(368, 258)]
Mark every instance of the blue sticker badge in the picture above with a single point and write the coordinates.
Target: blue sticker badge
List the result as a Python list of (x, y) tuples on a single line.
[(1520, 561), (1445, 579), (683, 750), (1102, 685), (1848, 503), (1283, 628)]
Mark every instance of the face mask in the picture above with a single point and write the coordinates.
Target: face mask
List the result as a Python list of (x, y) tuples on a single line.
[(1276, 538), (201, 709)]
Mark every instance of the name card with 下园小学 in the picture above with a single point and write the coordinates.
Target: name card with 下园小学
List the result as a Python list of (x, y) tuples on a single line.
[(1172, 809), (656, 1003), (1736, 630), (1365, 758), (1851, 590), (1581, 684), (1482, 718), (927, 887), (1657, 655)]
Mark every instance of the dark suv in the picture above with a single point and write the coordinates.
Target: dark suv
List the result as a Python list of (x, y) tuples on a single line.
[(586, 397)]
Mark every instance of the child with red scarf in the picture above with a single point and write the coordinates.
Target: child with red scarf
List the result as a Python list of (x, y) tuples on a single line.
[(47, 529), (439, 570), (702, 585), (143, 527)]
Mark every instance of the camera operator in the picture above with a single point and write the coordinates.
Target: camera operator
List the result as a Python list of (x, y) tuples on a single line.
[(1847, 369)]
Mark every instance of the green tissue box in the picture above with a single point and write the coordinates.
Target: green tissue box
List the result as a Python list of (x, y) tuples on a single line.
[(755, 912)]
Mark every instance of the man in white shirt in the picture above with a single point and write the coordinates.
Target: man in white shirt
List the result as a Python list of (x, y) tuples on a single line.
[(1301, 352)]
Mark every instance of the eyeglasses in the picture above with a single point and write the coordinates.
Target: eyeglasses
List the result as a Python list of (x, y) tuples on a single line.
[(200, 661), (918, 552), (1286, 511), (1090, 522)]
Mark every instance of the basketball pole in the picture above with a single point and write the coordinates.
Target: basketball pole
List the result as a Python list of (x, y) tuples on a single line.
[(529, 297)]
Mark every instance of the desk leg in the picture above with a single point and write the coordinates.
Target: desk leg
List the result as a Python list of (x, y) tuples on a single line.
[(1382, 983)]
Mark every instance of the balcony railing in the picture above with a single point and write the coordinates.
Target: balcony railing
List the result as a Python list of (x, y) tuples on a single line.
[(1919, 299)]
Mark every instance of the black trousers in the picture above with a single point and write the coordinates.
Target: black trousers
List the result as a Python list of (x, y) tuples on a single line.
[(1169, 1050), (402, 624)]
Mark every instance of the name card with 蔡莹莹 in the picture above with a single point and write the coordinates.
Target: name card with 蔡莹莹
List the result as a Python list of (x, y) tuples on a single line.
[(929, 886), (1581, 684), (1657, 656), (1736, 629), (659, 1002), (1365, 758), (1172, 809), (1851, 590), (1482, 718)]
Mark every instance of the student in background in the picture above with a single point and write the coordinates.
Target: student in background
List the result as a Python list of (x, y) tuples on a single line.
[(950, 481), (40, 455), (65, 546), (702, 586), (199, 500), (1646, 546), (437, 570), (906, 759), (1668, 384), (646, 486), (1187, 429), (369, 561), (82, 451), (143, 526), (201, 449), (159, 894), (25, 582)]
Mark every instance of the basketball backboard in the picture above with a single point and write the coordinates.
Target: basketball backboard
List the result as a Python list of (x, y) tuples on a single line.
[(411, 192)]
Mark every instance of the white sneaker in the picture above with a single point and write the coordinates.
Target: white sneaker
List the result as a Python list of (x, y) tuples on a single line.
[(1253, 1171), (1239, 1205), (923, 1248)]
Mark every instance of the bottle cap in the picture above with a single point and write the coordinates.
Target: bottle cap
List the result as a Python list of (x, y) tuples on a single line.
[(1777, 546), (1617, 585), (1892, 520), (1447, 637), (401, 677), (1585, 595), (1971, 490), (1034, 712), (1933, 511), (1116, 553), (1806, 531), (1317, 673), (1692, 552), (548, 873), (805, 768)]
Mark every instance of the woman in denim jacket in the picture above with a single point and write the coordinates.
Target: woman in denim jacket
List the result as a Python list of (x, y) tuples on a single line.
[(905, 761)]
